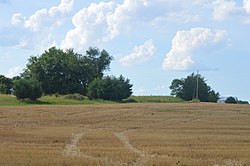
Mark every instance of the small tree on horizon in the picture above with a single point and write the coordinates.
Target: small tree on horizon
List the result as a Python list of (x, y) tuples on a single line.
[(231, 100), (185, 89)]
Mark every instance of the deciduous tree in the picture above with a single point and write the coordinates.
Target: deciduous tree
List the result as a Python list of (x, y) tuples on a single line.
[(186, 89), (67, 72)]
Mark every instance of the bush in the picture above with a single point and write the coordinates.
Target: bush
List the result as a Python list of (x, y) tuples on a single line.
[(110, 88), (5, 85), (3, 89), (75, 96), (231, 100), (27, 88)]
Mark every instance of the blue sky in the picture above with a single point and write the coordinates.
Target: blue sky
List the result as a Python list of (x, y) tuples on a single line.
[(152, 42)]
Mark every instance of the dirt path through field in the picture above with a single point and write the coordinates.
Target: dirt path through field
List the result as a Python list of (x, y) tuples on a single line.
[(71, 148), (143, 157)]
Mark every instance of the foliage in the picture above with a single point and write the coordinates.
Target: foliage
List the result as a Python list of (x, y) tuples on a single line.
[(27, 88), (185, 89), (110, 88), (3, 89), (231, 100), (75, 96), (67, 72), (10, 100), (5, 85)]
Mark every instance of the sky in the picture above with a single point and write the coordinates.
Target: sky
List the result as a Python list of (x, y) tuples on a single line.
[(152, 41)]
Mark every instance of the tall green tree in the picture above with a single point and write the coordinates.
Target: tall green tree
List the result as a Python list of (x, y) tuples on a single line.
[(67, 72), (186, 89), (93, 65)]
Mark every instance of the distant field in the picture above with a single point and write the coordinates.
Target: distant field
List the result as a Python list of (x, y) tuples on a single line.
[(150, 134), (155, 99)]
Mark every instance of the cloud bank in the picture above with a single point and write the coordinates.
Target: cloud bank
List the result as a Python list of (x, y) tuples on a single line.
[(44, 19), (188, 45), (139, 54), (89, 26)]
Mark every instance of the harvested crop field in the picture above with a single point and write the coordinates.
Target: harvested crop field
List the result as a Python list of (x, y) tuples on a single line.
[(126, 134)]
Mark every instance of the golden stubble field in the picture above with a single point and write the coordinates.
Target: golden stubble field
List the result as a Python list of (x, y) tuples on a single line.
[(126, 134)]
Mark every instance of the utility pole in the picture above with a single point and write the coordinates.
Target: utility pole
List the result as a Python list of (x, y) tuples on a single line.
[(197, 86)]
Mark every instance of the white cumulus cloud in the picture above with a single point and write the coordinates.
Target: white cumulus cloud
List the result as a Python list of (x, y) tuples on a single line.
[(139, 54), (14, 71), (226, 9), (90, 25), (17, 19), (123, 15), (39, 30), (44, 18), (230, 10), (186, 45), (246, 5)]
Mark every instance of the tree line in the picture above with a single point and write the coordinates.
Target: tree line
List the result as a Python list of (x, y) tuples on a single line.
[(194, 87), (67, 72)]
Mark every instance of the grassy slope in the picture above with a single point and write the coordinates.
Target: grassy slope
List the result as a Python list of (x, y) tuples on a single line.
[(53, 100), (8, 100)]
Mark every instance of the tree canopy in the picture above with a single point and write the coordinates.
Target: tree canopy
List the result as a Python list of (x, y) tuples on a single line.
[(66, 72), (186, 89)]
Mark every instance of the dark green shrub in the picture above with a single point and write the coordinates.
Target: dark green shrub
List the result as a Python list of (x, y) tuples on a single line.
[(110, 88), (5, 85), (231, 100), (27, 88), (3, 89)]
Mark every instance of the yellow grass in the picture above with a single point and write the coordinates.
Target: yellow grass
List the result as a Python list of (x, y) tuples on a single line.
[(126, 134)]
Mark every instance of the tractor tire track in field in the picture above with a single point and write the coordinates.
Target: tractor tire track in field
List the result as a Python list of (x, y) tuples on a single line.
[(143, 157), (72, 149)]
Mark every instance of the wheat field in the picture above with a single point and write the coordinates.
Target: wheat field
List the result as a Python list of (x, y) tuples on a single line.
[(154, 134)]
